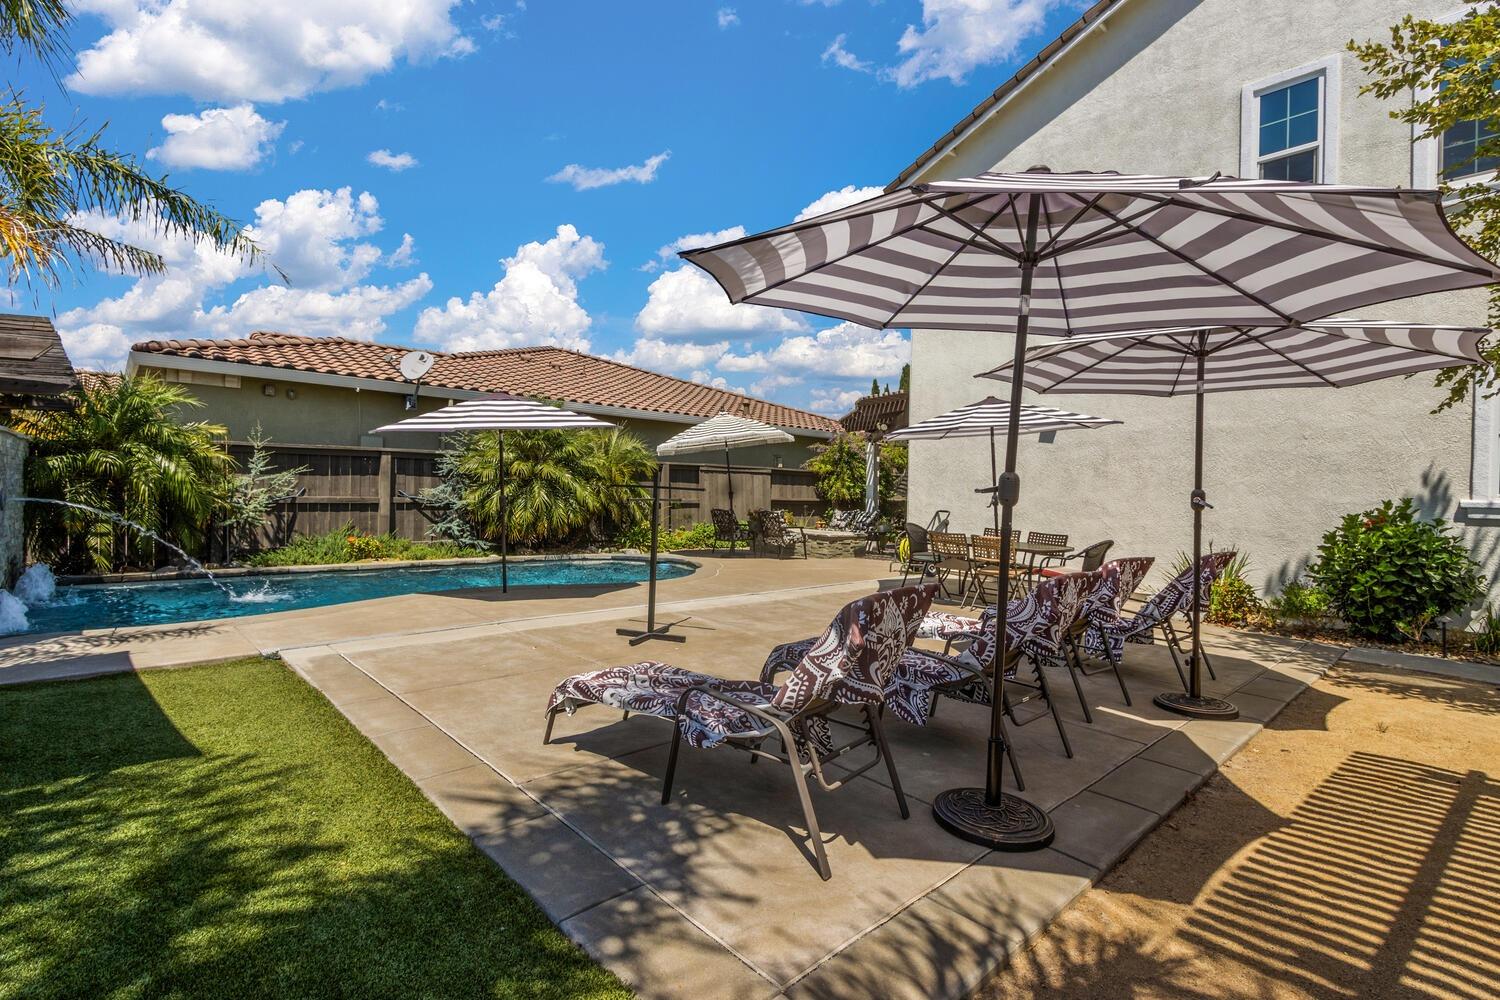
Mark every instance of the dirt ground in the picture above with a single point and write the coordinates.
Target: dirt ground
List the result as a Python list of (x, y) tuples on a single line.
[(1351, 850)]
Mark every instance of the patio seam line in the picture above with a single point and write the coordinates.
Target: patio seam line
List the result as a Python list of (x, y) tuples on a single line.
[(607, 899), (581, 835), (588, 617)]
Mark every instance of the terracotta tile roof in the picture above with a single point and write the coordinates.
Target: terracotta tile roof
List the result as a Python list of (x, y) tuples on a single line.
[(888, 408), (90, 381), (547, 372)]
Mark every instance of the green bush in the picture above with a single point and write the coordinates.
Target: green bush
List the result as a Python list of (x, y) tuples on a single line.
[(349, 544), (1389, 575), (1299, 600), (1487, 638), (694, 536), (1232, 599)]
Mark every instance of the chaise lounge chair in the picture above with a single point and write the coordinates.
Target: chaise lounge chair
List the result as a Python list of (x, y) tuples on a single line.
[(851, 664), (1107, 640)]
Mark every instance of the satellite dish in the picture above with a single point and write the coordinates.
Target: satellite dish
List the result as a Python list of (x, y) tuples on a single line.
[(415, 364)]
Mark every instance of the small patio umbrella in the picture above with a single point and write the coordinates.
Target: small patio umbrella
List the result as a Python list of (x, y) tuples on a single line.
[(1328, 354), (983, 418), (872, 480), (726, 431), (1068, 254), (497, 412)]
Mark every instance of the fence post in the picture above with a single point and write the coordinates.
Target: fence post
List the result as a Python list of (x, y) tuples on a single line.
[(386, 493)]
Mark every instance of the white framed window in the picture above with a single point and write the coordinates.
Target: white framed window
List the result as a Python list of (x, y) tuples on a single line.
[(1451, 156), (1484, 474), (1289, 124)]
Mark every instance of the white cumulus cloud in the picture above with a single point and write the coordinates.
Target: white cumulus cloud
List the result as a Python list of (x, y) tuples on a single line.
[(687, 301), (958, 36), (672, 356), (392, 161), (846, 350), (586, 178), (834, 402), (234, 138), (835, 200), (692, 241), (534, 302), (840, 56), (318, 237), (272, 50), (715, 381), (727, 18)]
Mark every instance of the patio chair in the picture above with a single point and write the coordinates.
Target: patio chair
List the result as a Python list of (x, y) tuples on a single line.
[(1102, 610), (953, 556), (867, 523), (849, 665), (1045, 538), (985, 565), (770, 529), (839, 521), (920, 559), (1107, 641), (1091, 557), (727, 528)]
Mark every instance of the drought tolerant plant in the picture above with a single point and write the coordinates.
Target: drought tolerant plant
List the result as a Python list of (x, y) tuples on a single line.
[(561, 486), (349, 544), (1299, 600), (1487, 636), (254, 492), (1232, 599), (122, 447), (1388, 574), (693, 536)]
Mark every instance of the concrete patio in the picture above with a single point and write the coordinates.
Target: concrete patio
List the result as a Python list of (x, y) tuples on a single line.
[(714, 895)]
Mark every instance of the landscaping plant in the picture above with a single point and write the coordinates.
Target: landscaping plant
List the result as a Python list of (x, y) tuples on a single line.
[(1299, 600), (1232, 599), (840, 466), (122, 447), (253, 494), (349, 544), (694, 536), (1389, 575)]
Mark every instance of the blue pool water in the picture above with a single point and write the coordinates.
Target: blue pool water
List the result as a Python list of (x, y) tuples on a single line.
[(113, 605)]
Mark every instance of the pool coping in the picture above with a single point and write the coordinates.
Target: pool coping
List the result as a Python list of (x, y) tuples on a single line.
[(237, 572)]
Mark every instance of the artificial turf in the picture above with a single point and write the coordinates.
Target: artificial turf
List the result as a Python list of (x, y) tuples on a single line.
[(222, 831)]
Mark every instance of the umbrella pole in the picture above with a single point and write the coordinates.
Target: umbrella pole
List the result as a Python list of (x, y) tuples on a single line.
[(729, 482), (1193, 703), (638, 636), (504, 522), (987, 815), (994, 478)]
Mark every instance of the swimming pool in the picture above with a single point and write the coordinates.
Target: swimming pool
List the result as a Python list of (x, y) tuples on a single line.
[(122, 604)]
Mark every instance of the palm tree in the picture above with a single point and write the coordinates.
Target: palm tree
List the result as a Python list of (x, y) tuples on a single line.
[(122, 447), (51, 183), (557, 483)]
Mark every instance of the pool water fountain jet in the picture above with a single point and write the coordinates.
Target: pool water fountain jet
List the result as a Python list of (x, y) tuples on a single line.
[(140, 529)]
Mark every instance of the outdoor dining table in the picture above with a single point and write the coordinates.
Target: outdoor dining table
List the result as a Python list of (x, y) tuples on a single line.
[(1034, 552)]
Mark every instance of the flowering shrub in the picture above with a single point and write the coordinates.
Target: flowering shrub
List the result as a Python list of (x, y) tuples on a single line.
[(364, 547), (1390, 575)]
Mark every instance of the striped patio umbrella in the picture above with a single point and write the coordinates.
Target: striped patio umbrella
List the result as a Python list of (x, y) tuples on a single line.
[(984, 418), (1067, 254), (498, 412), (726, 431), (1329, 353)]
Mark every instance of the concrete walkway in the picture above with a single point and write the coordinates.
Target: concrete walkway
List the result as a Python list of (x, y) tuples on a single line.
[(714, 895)]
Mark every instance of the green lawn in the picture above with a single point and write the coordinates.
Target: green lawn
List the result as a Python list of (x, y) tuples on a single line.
[(221, 831)]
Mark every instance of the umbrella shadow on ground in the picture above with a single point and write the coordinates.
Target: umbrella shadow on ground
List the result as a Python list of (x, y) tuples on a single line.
[(1376, 885)]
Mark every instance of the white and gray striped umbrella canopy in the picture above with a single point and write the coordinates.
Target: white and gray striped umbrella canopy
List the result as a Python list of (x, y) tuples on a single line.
[(722, 432), (1113, 252), (991, 415), (1333, 352), (498, 412)]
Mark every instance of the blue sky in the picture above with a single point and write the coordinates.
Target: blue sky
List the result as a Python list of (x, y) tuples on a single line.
[(467, 176)]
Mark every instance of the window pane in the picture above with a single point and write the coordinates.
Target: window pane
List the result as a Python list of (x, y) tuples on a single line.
[(1273, 137), (1461, 144), (1303, 97), (1273, 105), (1297, 167), (1302, 129)]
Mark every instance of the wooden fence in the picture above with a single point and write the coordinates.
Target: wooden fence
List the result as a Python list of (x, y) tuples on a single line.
[(365, 486)]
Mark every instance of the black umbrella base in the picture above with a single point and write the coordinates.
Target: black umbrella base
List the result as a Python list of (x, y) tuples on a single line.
[(1013, 825), (1197, 708)]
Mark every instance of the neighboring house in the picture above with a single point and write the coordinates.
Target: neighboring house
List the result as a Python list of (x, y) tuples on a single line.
[(333, 391), (1261, 89)]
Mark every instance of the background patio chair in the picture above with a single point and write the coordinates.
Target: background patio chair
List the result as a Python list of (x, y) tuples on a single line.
[(920, 559), (727, 528), (1091, 557), (953, 557), (770, 530), (1045, 538), (1156, 615), (849, 665)]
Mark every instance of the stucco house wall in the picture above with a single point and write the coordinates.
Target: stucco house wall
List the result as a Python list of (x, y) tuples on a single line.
[(1158, 88)]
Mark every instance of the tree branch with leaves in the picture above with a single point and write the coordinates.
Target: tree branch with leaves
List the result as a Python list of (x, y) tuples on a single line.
[(1449, 74)]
